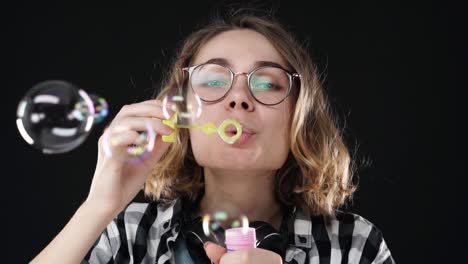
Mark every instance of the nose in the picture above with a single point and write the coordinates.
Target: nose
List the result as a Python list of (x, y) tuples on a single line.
[(239, 97)]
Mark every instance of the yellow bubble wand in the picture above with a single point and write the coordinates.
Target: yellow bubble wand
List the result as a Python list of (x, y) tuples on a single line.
[(208, 128)]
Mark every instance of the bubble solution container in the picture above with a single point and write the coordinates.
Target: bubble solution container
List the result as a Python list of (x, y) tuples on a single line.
[(240, 238)]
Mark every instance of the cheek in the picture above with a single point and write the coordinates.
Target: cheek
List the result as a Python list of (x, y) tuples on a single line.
[(280, 134), (278, 138), (202, 146), (281, 122)]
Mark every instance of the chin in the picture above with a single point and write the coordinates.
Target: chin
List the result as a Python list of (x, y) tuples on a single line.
[(231, 164), (230, 158)]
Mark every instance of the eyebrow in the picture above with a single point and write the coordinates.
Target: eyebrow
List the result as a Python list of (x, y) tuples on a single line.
[(225, 62)]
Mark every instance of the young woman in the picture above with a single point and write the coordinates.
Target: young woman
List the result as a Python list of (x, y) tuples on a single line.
[(288, 173)]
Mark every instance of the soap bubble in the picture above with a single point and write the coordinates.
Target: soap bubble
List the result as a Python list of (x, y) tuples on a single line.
[(219, 220), (187, 108), (55, 116), (101, 109), (136, 145)]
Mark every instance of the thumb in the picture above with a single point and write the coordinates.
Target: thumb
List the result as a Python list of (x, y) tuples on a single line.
[(214, 252)]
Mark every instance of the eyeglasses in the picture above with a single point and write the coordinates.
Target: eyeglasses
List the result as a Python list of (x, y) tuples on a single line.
[(269, 85)]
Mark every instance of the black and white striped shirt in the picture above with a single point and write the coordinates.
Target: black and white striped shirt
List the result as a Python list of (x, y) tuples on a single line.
[(146, 233)]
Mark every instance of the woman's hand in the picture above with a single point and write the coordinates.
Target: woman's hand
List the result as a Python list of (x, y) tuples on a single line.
[(218, 255), (115, 182)]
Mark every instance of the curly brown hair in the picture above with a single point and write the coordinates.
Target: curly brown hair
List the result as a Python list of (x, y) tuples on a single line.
[(317, 173)]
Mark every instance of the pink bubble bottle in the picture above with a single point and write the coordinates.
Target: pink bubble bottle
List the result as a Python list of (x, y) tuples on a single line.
[(240, 238)]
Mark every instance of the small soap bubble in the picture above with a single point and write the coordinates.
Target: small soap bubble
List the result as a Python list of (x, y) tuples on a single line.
[(130, 146), (187, 107), (101, 109), (218, 221), (55, 116)]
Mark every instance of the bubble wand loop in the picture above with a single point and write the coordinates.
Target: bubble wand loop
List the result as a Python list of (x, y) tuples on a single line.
[(208, 128)]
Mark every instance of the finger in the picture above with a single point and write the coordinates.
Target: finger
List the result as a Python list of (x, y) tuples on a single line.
[(116, 144), (124, 138), (145, 109), (214, 252), (156, 102), (168, 108), (141, 124)]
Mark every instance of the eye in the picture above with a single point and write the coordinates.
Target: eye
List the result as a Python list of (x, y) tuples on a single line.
[(214, 83), (264, 86), (262, 83)]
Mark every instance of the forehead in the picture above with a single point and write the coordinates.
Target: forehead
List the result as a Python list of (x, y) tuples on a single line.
[(242, 48)]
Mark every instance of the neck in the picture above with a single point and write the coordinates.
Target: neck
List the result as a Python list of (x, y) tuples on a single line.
[(249, 192)]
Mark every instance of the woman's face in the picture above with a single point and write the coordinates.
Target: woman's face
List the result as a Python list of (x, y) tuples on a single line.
[(264, 144)]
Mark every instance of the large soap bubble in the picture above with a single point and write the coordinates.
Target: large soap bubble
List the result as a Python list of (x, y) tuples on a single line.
[(56, 116)]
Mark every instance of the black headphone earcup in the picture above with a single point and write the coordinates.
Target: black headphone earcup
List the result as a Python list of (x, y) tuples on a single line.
[(195, 240), (269, 238), (195, 248)]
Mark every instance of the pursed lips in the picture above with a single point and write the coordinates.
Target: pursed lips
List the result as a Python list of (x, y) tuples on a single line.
[(245, 137), (245, 130)]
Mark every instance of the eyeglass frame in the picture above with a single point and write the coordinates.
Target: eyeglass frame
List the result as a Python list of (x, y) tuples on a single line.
[(291, 76)]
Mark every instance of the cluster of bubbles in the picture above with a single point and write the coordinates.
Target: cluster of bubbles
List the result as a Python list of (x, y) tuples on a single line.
[(174, 102), (56, 116)]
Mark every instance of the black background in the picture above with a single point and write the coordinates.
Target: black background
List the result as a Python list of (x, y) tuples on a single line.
[(379, 59)]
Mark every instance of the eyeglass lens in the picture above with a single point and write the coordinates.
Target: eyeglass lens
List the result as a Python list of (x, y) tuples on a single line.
[(211, 82)]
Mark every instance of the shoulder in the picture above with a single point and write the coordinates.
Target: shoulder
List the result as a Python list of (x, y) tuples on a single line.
[(363, 239), (150, 219), (347, 221), (340, 223), (342, 236), (146, 215), (136, 231)]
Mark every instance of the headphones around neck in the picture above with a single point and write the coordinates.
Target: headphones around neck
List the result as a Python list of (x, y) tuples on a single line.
[(267, 238), (266, 235)]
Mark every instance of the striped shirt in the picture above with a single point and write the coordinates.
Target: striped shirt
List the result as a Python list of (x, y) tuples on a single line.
[(146, 233)]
